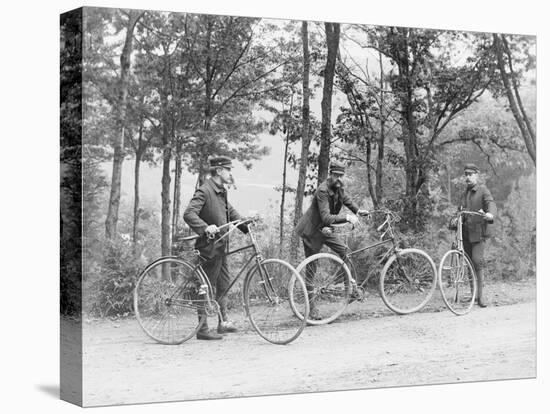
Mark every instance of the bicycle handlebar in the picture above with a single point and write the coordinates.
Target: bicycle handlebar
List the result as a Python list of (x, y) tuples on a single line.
[(473, 213), (391, 217), (235, 224), (381, 226)]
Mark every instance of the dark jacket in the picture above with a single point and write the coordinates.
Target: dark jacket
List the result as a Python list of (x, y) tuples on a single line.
[(324, 211), (477, 228), (208, 206)]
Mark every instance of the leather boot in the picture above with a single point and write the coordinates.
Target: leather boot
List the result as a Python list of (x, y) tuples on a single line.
[(224, 324), (203, 332), (314, 314), (226, 327), (208, 335), (480, 297)]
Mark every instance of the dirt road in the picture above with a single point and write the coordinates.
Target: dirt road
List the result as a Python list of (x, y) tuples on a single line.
[(121, 365)]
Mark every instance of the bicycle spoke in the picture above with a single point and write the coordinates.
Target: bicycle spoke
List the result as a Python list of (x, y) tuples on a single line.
[(408, 281), (457, 282), (268, 302), (163, 301), (328, 284)]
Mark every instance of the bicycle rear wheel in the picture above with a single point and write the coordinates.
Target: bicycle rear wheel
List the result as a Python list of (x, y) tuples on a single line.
[(267, 292), (457, 282), (408, 281), (167, 299), (328, 283)]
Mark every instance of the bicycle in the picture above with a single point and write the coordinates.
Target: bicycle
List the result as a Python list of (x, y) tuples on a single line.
[(407, 280), (458, 285), (173, 296)]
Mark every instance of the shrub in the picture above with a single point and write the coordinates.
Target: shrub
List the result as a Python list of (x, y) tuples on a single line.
[(511, 254), (113, 285)]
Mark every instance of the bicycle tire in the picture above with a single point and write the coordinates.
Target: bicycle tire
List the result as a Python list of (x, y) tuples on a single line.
[(166, 300), (458, 289), (267, 293), (408, 281), (331, 291)]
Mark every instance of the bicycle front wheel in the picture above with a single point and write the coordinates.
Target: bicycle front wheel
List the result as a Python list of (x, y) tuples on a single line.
[(328, 284), (408, 281), (457, 282), (267, 297), (169, 300)]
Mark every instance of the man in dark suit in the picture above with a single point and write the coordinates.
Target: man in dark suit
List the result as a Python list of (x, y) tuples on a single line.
[(476, 230), (324, 211), (207, 210)]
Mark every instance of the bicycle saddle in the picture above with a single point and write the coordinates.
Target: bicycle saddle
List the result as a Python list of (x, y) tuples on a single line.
[(179, 239), (189, 238)]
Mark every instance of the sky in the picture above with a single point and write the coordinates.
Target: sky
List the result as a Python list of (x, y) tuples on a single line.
[(255, 187)]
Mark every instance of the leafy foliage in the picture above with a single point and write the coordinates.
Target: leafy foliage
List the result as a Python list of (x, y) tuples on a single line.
[(114, 286)]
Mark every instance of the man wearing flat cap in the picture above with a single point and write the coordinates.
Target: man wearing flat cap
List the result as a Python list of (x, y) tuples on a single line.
[(207, 210), (476, 230), (324, 211)]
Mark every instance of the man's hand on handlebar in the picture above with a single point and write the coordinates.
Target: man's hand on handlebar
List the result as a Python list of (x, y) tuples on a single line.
[(211, 231), (327, 231), (487, 216), (352, 218)]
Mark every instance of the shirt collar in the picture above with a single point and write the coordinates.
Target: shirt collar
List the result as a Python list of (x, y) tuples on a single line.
[(218, 188), (474, 188)]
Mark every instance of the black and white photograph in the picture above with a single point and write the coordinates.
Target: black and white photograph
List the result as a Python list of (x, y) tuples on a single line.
[(295, 182), (285, 204)]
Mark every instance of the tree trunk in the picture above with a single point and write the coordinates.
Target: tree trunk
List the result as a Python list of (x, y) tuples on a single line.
[(136, 200), (332, 31), (380, 159), (368, 154), (177, 189), (449, 191), (165, 192), (167, 136), (208, 91), (515, 100), (414, 172), (283, 190), (118, 144), (515, 84), (300, 188), (139, 153)]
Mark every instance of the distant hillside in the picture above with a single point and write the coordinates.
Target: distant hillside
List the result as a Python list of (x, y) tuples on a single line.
[(255, 187)]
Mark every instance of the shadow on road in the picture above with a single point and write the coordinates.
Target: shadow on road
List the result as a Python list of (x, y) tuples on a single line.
[(50, 389)]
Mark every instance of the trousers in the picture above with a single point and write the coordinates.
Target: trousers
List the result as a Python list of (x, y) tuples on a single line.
[(475, 252), (313, 246), (218, 274)]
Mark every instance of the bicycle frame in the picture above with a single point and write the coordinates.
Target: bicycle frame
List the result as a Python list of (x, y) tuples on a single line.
[(255, 256), (458, 235), (460, 222), (176, 282), (459, 264), (391, 249)]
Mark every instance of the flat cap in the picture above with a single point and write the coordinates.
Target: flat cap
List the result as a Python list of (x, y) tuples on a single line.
[(220, 161), (471, 167), (336, 167)]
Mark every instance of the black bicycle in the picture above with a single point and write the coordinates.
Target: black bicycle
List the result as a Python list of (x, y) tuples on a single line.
[(407, 280), (173, 296)]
